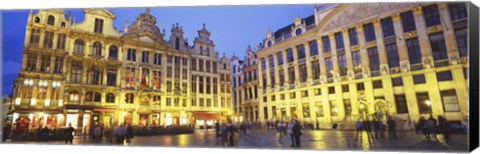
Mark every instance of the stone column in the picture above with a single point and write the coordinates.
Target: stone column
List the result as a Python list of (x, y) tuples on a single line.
[(422, 34), (285, 67), (382, 55), (52, 64), (348, 53), (277, 75), (363, 47), (448, 31), (333, 48), (401, 44), (307, 61), (462, 91), (411, 98), (295, 62)]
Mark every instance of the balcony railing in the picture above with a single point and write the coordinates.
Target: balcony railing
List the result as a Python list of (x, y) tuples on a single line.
[(442, 63), (375, 73), (460, 23), (395, 70), (282, 88), (316, 82), (330, 80), (390, 39), (415, 67), (303, 84), (292, 86)]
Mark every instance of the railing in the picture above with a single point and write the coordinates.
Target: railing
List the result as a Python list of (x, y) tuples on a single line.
[(375, 73), (292, 86), (415, 67), (303, 84), (395, 70), (460, 23), (441, 63), (390, 39), (316, 82), (281, 88), (330, 80)]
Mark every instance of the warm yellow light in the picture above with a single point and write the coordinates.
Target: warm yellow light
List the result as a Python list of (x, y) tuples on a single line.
[(362, 106), (47, 102), (60, 102), (428, 102), (33, 102), (18, 101)]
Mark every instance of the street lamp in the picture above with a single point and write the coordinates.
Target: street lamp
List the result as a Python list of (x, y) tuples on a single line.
[(428, 102)]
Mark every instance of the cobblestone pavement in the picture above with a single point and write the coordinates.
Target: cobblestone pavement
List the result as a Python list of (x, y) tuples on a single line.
[(311, 139)]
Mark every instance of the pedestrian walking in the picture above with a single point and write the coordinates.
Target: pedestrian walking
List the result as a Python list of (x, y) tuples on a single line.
[(377, 128), (391, 124), (97, 131), (108, 135), (129, 134), (217, 129), (431, 124), (289, 128), (296, 132), (443, 127), (359, 128), (230, 133), (69, 134), (120, 133), (280, 131), (422, 126)]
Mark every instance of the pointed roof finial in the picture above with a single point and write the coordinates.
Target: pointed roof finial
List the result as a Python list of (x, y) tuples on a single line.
[(147, 10), (177, 24), (204, 26)]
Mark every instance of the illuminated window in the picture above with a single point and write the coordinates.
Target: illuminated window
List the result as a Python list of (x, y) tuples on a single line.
[(74, 96), (110, 98), (129, 98)]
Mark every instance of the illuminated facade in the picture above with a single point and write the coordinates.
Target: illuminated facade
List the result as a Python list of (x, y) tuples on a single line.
[(90, 73), (348, 61)]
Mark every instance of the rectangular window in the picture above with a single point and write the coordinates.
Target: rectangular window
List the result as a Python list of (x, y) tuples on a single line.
[(194, 64), (282, 96), (305, 93), (313, 48), (301, 52), (431, 15), (397, 81), (207, 65), (458, 11), (331, 90), (408, 21), (280, 58), (131, 55), (169, 72), (98, 26), (168, 101), (439, 49), (444, 76), (31, 62), (145, 57), (169, 86), (156, 81), (414, 53), (318, 91), (185, 62), (352, 34), (387, 27), (289, 55), (369, 32), (392, 55), (35, 37), (58, 68), (373, 58), (419, 79), (200, 65), (315, 70), (422, 98), (345, 88), (272, 98), (342, 63), (61, 39), (401, 104), (112, 76), (45, 64), (157, 59), (291, 75), (208, 87), (377, 84), (130, 77), (461, 36), (329, 64), (319, 107), (48, 40), (326, 44), (264, 64), (357, 58), (360, 86), (281, 75), (271, 61), (184, 74), (169, 59), (177, 73), (76, 72), (339, 41), (272, 79), (450, 101), (194, 84), (292, 95), (348, 106), (306, 110), (303, 73), (214, 67)]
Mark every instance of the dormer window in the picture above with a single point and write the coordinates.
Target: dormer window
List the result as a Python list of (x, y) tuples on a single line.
[(177, 43), (37, 20), (298, 31), (269, 43), (98, 26), (63, 25), (51, 20)]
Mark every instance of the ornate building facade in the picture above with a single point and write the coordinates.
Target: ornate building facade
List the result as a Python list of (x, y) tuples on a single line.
[(354, 61), (90, 73)]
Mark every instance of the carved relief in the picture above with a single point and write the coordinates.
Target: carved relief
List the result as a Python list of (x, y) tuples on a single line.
[(411, 34), (435, 29)]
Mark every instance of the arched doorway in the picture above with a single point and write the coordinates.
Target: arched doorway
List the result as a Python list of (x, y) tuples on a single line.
[(380, 109)]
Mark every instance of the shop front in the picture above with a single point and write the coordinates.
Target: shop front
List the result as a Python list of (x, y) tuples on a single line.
[(207, 120)]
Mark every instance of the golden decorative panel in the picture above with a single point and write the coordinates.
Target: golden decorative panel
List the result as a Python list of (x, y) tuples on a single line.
[(371, 44), (435, 29), (411, 34)]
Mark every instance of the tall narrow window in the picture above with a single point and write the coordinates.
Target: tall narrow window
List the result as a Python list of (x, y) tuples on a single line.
[(145, 78), (408, 21), (193, 64), (48, 40), (315, 70), (458, 11), (414, 53), (450, 101), (271, 61), (301, 52), (145, 56), (392, 55), (113, 52), (130, 77), (439, 49), (94, 75), (431, 15), (303, 73), (61, 41), (78, 46), (289, 55), (264, 64), (208, 86), (422, 97), (342, 63), (45, 63), (280, 58), (207, 66), (194, 84), (132, 55), (401, 104), (352, 34), (339, 40), (329, 64), (177, 43), (200, 85), (156, 80), (112, 76), (58, 68), (76, 72), (373, 58), (461, 36), (31, 62), (326, 44), (35, 37), (369, 32), (291, 75), (214, 67), (200, 65), (357, 58), (51, 20), (97, 49), (98, 26), (387, 27), (281, 77), (313, 48)]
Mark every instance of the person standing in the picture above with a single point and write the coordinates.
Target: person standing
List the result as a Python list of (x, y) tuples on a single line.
[(280, 131), (69, 134), (376, 128), (296, 132), (431, 124), (289, 128), (120, 133), (359, 128), (97, 134), (443, 126), (129, 134), (229, 132), (422, 126), (217, 129), (391, 124)]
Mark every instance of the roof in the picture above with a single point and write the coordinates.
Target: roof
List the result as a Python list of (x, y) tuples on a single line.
[(287, 30)]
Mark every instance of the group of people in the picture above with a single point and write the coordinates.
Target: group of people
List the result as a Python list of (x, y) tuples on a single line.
[(291, 128), (431, 127), (113, 135), (378, 128)]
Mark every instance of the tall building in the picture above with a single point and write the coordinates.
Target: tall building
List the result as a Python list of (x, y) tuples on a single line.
[(360, 61), (90, 73), (245, 86)]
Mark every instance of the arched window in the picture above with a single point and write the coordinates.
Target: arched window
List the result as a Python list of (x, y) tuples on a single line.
[(97, 49), (177, 44), (51, 20), (74, 96), (37, 20), (129, 98), (63, 24), (208, 51), (94, 75), (110, 98), (113, 52), (93, 96), (78, 46)]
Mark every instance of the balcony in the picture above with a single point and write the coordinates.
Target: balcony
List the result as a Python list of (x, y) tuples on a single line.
[(303, 84), (416, 67), (390, 39), (330, 80), (441, 63), (395, 70), (282, 88), (375, 73), (460, 23), (292, 86), (358, 76), (316, 82)]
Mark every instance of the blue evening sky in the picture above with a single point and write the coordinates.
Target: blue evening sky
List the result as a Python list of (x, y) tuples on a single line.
[(232, 28)]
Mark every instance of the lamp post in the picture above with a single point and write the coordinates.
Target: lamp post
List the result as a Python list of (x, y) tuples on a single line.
[(428, 102)]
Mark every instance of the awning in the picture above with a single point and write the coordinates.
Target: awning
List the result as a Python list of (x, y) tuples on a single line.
[(206, 115)]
